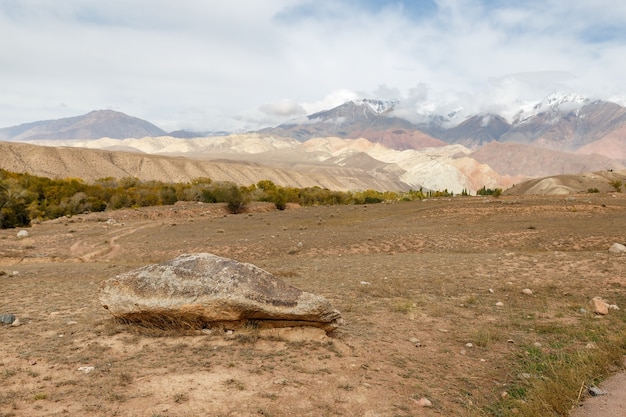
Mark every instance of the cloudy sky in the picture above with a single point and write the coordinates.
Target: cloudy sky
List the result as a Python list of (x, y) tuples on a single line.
[(245, 64)]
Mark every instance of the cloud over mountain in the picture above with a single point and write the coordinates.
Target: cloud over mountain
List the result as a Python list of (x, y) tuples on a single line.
[(244, 65)]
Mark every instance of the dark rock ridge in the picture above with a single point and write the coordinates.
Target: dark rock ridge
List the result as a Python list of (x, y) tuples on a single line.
[(204, 290)]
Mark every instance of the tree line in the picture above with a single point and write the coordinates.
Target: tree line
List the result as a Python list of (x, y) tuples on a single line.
[(25, 197)]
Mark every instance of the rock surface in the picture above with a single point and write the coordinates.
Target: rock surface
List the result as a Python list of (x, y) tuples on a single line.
[(599, 306), (201, 290)]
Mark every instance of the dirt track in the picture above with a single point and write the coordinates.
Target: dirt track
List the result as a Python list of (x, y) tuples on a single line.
[(416, 282)]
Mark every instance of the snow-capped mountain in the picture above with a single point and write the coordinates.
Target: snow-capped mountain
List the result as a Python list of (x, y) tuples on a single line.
[(377, 106), (553, 103)]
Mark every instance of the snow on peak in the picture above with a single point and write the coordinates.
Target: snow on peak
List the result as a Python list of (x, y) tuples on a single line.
[(552, 102), (557, 99), (377, 106)]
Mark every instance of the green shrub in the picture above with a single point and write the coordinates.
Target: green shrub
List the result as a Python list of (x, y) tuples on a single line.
[(617, 185), (24, 197)]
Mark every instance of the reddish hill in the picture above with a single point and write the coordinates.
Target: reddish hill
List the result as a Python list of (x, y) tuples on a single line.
[(522, 160)]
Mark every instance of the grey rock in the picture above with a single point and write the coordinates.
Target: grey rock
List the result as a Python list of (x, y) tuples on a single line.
[(23, 233), (204, 290), (7, 318), (595, 391)]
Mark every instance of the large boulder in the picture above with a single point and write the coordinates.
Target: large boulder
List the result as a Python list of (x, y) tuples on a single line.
[(205, 290)]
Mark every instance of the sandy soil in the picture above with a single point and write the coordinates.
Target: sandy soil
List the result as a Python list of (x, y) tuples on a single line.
[(416, 282)]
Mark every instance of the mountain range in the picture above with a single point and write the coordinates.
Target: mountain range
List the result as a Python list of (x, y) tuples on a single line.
[(561, 134), (561, 122)]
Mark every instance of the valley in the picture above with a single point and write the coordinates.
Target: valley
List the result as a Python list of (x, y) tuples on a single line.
[(431, 292)]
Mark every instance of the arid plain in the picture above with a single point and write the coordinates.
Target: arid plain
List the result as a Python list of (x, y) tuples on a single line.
[(431, 292)]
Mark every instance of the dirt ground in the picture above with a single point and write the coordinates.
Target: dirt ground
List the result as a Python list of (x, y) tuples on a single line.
[(416, 282)]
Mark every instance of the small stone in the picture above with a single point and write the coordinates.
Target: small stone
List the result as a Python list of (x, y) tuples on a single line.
[(613, 307), (537, 344), (595, 391), (414, 340), (617, 248), (22, 233), (366, 283), (504, 394), (599, 306), (463, 352), (86, 369), (16, 322), (582, 310), (491, 291), (499, 304), (590, 345), (7, 318), (527, 291), (469, 345), (423, 402), (71, 322)]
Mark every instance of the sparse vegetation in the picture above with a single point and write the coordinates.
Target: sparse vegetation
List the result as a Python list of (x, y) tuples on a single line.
[(39, 396), (617, 185), (181, 397), (549, 380), (234, 383)]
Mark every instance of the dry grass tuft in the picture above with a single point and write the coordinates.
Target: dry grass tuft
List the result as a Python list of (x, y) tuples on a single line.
[(158, 324), (549, 380)]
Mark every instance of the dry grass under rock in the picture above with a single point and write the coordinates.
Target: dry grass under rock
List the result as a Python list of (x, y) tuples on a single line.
[(416, 282)]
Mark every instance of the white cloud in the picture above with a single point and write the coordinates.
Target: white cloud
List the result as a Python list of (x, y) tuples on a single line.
[(283, 108), (248, 64), (334, 99)]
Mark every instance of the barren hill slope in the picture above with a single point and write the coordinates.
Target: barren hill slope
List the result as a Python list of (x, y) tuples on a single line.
[(522, 160), (569, 184), (90, 164)]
